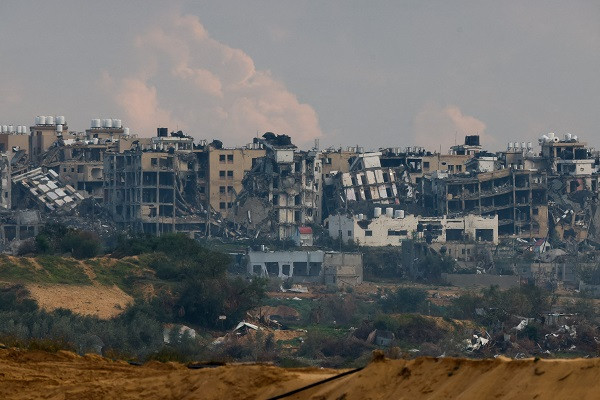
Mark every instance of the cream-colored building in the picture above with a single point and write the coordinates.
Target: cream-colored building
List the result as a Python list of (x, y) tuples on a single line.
[(226, 170), (392, 227)]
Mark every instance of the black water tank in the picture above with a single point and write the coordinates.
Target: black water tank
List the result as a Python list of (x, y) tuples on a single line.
[(472, 140), (162, 132)]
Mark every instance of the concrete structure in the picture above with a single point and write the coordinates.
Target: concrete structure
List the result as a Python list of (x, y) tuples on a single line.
[(391, 228), (478, 281), (146, 192), (47, 191), (227, 168), (518, 197), (303, 236), (19, 225), (343, 269), (283, 190), (316, 266)]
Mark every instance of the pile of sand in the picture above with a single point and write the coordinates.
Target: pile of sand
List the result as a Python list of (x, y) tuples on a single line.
[(66, 375), (99, 301)]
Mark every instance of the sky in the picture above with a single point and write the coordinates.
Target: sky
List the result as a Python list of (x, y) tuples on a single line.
[(373, 74)]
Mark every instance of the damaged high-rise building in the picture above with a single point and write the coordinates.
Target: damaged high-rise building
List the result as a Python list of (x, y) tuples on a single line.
[(282, 191), (153, 190)]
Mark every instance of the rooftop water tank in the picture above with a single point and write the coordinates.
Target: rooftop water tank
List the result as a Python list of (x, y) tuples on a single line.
[(4, 128), (126, 131), (60, 120), (389, 212), (96, 123), (42, 120), (11, 128), (116, 123), (377, 212), (107, 123), (59, 128), (49, 120)]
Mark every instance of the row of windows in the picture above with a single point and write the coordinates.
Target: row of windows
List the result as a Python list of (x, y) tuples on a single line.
[(223, 189), (223, 157), (223, 173), (402, 232), (223, 205)]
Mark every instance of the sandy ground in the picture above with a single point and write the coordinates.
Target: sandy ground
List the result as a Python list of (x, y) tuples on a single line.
[(25, 375), (100, 301), (39, 375)]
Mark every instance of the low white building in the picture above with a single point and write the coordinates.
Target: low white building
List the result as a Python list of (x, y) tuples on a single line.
[(392, 227), (317, 266)]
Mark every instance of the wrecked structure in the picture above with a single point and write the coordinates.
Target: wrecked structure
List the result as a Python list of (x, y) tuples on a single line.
[(518, 198), (394, 226), (316, 266), (282, 191), (46, 191), (153, 190)]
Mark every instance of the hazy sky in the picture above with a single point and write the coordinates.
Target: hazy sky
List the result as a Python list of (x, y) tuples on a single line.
[(385, 73)]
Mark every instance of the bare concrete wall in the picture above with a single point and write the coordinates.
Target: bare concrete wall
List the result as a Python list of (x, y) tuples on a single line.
[(481, 280)]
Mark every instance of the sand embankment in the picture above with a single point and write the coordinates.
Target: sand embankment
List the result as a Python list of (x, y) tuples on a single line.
[(34, 374)]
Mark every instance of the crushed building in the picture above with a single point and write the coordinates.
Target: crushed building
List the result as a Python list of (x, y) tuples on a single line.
[(282, 191), (394, 226)]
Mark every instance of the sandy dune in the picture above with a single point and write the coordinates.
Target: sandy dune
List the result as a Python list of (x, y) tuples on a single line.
[(65, 375), (99, 301)]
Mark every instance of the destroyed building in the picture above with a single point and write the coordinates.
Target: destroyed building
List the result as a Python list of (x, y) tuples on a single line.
[(572, 186), (44, 191), (283, 190), (367, 182), (152, 190), (518, 197), (394, 226), (227, 168), (78, 158)]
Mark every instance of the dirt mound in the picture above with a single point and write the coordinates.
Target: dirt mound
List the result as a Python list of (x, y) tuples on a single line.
[(66, 375), (100, 301), (449, 378), (59, 376)]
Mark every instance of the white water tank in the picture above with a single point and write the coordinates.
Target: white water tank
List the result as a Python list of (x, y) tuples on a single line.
[(4, 128), (575, 138), (60, 120), (126, 131), (11, 128), (59, 128), (389, 212), (510, 145), (401, 214), (529, 146), (107, 123), (50, 120), (360, 217), (42, 120), (96, 123), (377, 212), (116, 123), (551, 136)]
